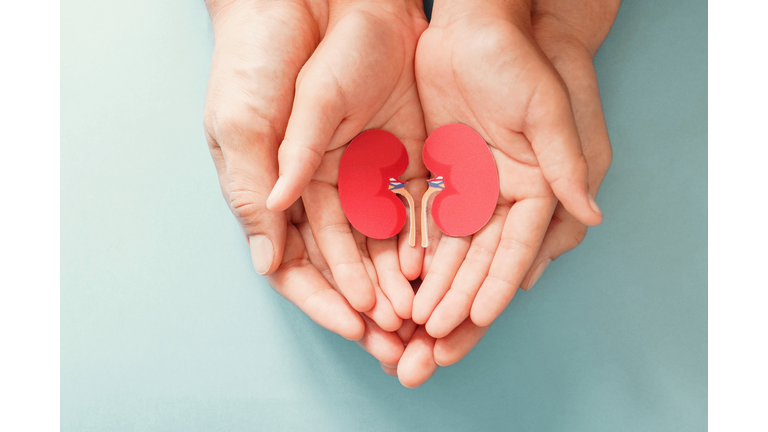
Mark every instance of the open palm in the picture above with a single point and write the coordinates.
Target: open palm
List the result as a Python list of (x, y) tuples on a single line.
[(360, 77)]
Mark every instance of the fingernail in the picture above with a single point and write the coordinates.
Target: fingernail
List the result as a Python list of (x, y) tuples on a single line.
[(593, 204), (538, 272), (276, 191), (261, 253)]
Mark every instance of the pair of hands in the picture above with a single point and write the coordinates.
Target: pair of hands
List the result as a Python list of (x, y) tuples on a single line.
[(292, 82)]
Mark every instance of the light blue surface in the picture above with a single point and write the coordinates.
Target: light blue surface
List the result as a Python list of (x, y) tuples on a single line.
[(165, 326)]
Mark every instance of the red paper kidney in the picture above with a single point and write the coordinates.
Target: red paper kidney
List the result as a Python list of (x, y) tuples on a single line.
[(369, 162), (465, 171)]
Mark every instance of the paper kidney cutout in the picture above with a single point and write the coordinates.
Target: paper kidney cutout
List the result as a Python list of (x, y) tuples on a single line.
[(368, 182), (466, 181)]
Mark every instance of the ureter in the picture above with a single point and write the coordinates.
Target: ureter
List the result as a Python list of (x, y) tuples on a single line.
[(412, 226), (424, 203)]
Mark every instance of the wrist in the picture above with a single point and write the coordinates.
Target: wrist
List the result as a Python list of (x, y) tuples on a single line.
[(584, 25), (412, 8), (446, 12), (228, 15)]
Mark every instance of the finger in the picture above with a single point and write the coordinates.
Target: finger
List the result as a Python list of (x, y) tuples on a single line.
[(454, 308), (318, 109), (581, 80), (335, 240), (448, 258), (244, 154), (382, 313), (563, 234), (391, 371), (552, 131), (417, 363), (300, 282), (385, 346), (313, 251), (391, 280), (458, 343), (406, 331), (520, 240)]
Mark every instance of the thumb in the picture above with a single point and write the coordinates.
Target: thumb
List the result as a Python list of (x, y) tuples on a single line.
[(318, 109), (247, 157), (554, 137)]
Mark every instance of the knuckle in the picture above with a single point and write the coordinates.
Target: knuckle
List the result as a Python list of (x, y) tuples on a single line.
[(478, 253), (290, 152), (335, 229), (577, 236), (557, 219), (516, 247), (602, 160), (574, 237), (237, 127), (247, 206), (466, 298)]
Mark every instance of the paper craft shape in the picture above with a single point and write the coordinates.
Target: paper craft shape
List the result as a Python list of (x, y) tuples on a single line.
[(466, 181), (368, 181)]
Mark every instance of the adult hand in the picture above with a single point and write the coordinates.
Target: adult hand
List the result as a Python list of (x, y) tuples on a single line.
[(260, 47), (570, 35), (360, 77), (250, 92), (305, 279)]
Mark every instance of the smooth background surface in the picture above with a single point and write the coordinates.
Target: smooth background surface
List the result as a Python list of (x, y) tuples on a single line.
[(165, 326)]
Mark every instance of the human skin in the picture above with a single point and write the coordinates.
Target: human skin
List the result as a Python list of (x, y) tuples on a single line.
[(360, 77), (247, 111), (568, 34), (248, 105)]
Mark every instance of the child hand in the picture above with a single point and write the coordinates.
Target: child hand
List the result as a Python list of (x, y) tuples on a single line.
[(483, 68), (360, 77), (570, 35)]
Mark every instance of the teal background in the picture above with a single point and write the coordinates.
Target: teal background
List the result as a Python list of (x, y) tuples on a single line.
[(166, 327)]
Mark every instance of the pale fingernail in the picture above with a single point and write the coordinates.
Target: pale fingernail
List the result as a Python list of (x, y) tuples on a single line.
[(276, 191), (538, 272), (261, 253), (593, 204)]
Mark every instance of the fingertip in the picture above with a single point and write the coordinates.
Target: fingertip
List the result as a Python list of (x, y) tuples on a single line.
[(443, 357), (417, 363), (481, 317), (403, 305), (262, 254), (353, 330), (596, 209), (392, 357), (583, 207), (409, 382), (538, 270), (420, 310), (411, 267), (389, 370), (363, 302), (419, 314), (413, 376), (404, 309), (436, 328), (277, 200), (390, 323), (383, 313)]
